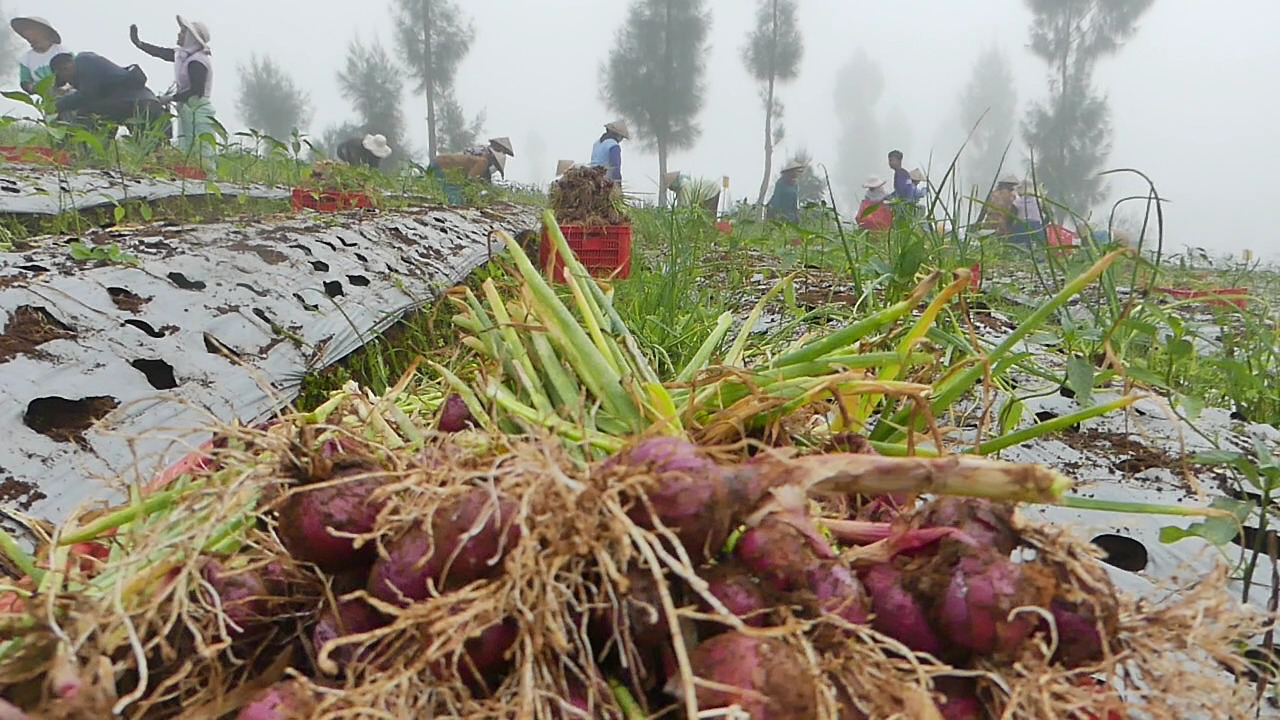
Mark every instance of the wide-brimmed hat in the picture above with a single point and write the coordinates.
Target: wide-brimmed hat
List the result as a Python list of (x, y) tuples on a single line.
[(564, 166), (503, 144), (21, 25), (377, 144), (917, 175), (793, 166), (1009, 179), (198, 30), (619, 128), (670, 179), (499, 159), (874, 182)]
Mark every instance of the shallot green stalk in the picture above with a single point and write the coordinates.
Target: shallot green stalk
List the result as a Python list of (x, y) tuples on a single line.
[(703, 356), (21, 558), (952, 388), (152, 504), (631, 709), (1018, 437), (595, 370), (842, 339)]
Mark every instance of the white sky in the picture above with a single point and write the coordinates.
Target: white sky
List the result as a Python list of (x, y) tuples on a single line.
[(1193, 96)]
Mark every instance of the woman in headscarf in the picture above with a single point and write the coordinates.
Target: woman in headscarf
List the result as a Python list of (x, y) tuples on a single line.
[(193, 86), (46, 44)]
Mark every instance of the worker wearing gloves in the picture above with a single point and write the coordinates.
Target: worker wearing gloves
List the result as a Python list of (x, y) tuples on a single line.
[(46, 44), (607, 152), (193, 85)]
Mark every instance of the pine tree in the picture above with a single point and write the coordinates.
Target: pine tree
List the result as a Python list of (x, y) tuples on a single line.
[(434, 38), (654, 75), (455, 132), (372, 83), (1069, 134), (988, 107), (772, 55), (269, 101)]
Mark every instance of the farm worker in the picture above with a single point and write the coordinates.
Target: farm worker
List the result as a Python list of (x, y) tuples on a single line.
[(472, 167), (607, 152), (784, 206), (193, 85), (873, 212), (921, 184), (673, 182), (1028, 224), (368, 151), (103, 89), (904, 188), (46, 44), (997, 213), (502, 145)]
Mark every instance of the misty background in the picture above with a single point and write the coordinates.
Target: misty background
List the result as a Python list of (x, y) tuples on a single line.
[(1192, 94)]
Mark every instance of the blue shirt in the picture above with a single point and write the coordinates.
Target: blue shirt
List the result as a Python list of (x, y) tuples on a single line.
[(97, 78), (607, 153), (904, 188)]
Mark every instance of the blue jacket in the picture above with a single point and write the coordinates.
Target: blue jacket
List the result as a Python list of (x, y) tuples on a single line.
[(97, 78), (607, 153)]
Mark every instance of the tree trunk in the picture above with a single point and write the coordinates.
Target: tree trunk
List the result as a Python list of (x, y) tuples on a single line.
[(768, 147), (429, 77), (662, 171)]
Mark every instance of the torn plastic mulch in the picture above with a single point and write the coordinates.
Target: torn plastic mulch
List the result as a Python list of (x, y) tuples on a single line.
[(40, 191), (111, 370)]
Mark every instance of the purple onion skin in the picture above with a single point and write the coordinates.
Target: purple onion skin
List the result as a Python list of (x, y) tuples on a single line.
[(243, 595), (740, 593), (897, 613), (964, 707), (773, 683), (412, 560), (454, 416), (352, 617), (487, 652), (308, 516), (839, 592), (781, 550), (691, 497), (973, 614), (282, 701), (986, 523), (1078, 639)]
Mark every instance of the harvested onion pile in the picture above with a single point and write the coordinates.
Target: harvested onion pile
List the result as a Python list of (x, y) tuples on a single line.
[(486, 577)]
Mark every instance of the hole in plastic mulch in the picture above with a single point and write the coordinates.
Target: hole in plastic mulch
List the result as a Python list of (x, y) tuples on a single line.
[(158, 372), (66, 420), (1123, 552)]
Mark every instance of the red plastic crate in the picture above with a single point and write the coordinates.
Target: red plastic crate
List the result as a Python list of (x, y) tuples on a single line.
[(328, 200), (17, 154), (1213, 297), (190, 172), (603, 251)]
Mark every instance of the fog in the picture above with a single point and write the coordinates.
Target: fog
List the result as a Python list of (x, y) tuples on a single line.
[(1193, 95)]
